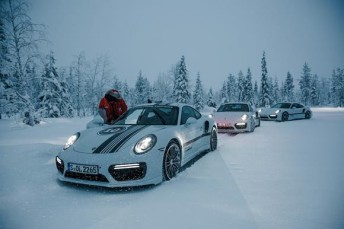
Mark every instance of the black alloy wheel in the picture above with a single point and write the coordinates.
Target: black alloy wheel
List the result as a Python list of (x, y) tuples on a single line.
[(285, 116), (308, 115), (213, 139), (172, 160)]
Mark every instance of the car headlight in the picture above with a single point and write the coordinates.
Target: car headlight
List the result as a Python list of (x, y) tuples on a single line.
[(276, 112), (71, 140), (145, 144), (244, 117)]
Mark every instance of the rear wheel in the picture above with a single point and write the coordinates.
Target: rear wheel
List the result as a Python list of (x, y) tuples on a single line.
[(172, 160), (285, 116), (213, 139)]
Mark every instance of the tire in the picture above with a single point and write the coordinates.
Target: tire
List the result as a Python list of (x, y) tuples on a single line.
[(172, 160), (285, 116), (308, 115), (213, 139), (258, 122), (252, 126)]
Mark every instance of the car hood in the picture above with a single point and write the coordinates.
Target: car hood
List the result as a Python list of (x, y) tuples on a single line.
[(110, 139), (269, 110), (228, 116)]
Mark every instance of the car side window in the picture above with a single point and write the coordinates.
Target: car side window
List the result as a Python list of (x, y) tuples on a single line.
[(188, 112), (298, 105)]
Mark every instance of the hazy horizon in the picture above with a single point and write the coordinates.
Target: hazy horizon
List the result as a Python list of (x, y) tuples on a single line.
[(216, 37)]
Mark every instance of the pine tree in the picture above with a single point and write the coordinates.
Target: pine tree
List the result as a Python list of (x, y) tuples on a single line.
[(142, 89), (337, 88), (248, 88), (211, 100), (314, 92), (232, 88), (256, 94), (276, 94), (265, 96), (324, 91), (125, 92), (162, 89), (305, 84), (198, 97), (49, 98), (241, 86), (289, 88), (181, 84), (223, 93)]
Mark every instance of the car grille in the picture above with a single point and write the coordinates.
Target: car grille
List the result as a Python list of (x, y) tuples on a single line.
[(89, 177)]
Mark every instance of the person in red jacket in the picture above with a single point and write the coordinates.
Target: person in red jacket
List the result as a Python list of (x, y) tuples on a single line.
[(111, 106)]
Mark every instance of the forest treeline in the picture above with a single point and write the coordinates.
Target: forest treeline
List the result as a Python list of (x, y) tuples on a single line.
[(33, 87)]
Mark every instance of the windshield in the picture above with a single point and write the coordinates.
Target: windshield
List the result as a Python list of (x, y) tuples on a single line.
[(233, 107), (152, 115), (282, 105)]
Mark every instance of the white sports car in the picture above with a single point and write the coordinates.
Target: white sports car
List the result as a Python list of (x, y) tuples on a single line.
[(236, 118), (148, 144), (285, 111)]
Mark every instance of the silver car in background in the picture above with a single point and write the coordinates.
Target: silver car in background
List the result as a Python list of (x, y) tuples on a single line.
[(285, 111), (236, 118)]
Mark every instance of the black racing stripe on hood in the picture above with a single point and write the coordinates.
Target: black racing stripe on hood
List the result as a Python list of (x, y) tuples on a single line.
[(117, 140), (109, 140), (124, 140)]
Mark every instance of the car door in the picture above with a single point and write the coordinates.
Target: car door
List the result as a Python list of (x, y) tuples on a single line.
[(191, 130), (297, 110)]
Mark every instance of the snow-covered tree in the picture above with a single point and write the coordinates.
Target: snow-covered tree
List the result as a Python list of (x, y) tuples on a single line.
[(305, 84), (162, 89), (22, 39), (181, 84), (232, 88), (241, 86), (265, 96), (288, 89), (125, 92), (337, 87), (314, 92), (211, 100), (256, 94), (324, 91), (49, 99), (276, 94), (198, 95), (77, 83), (248, 88), (142, 89), (223, 93)]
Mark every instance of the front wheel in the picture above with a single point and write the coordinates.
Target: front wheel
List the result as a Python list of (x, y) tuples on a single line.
[(285, 116), (308, 115), (172, 160)]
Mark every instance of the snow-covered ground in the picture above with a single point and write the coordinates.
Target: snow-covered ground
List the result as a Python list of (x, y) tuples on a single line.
[(284, 175)]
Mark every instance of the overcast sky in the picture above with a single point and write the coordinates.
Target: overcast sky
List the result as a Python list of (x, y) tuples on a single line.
[(217, 37)]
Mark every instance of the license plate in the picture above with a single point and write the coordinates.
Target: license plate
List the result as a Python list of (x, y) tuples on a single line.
[(85, 169)]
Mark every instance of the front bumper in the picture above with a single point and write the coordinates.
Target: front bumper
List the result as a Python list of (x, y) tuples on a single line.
[(272, 117), (232, 128), (115, 169)]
